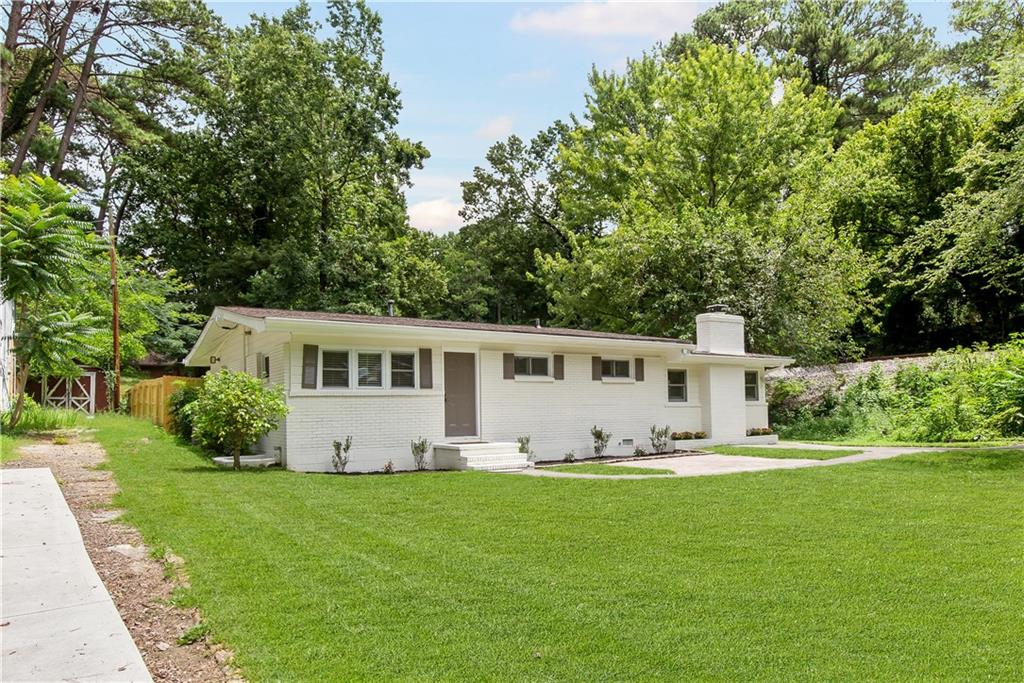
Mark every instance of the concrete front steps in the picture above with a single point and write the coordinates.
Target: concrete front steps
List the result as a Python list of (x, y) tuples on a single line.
[(493, 456)]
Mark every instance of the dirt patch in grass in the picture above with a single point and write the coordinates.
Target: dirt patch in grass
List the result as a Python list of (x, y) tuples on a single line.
[(141, 585)]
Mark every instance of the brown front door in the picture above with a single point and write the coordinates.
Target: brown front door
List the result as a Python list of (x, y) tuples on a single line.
[(459, 394)]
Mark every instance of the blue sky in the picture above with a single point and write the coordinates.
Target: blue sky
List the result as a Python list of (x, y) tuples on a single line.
[(474, 72)]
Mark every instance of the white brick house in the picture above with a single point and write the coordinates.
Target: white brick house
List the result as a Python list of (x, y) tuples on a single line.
[(471, 389)]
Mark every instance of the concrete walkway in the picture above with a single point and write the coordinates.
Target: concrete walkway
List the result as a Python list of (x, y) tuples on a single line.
[(705, 465), (59, 622)]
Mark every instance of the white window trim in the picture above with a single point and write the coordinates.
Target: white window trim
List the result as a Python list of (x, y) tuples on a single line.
[(415, 370), (550, 377), (385, 370), (760, 400), (630, 379), (686, 385), (320, 370)]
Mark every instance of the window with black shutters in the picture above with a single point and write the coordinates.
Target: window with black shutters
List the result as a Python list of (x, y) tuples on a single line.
[(531, 366), (403, 370), (614, 368), (335, 369)]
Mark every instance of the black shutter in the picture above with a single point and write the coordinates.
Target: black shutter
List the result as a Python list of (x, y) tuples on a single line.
[(595, 368), (559, 366), (508, 366), (310, 359), (638, 371), (426, 369)]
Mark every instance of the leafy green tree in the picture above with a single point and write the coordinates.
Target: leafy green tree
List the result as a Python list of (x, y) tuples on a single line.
[(44, 250), (235, 410), (311, 216), (992, 29), (870, 55), (705, 182)]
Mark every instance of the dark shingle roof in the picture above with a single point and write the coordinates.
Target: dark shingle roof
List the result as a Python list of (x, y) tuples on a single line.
[(441, 324)]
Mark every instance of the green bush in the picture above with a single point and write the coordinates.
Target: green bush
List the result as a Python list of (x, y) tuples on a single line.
[(960, 395), (36, 418), (233, 411), (181, 419)]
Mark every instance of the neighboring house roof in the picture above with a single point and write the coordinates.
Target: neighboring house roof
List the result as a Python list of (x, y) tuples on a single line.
[(441, 324)]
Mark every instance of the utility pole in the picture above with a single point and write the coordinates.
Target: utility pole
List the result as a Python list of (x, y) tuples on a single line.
[(116, 324)]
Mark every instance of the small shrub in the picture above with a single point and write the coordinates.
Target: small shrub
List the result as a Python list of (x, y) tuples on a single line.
[(639, 452), (659, 438), (601, 439), (700, 435), (524, 447), (419, 453), (760, 431), (181, 418), (234, 410), (340, 457), (682, 436), (570, 456), (61, 440), (389, 468)]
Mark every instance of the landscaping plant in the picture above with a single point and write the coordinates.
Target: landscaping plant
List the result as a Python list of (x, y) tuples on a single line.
[(234, 410), (659, 438), (601, 439), (419, 453), (570, 456), (340, 457), (524, 447)]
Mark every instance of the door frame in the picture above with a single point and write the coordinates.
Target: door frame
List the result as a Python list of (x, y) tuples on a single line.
[(476, 389)]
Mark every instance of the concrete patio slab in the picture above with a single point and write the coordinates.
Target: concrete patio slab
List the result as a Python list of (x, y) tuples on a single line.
[(59, 622)]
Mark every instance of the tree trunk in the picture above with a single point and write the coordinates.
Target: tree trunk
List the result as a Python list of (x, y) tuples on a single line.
[(325, 204), (83, 80), (47, 91), (236, 455), (10, 44), (19, 384)]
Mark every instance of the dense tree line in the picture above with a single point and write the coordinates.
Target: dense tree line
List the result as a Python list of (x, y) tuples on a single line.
[(824, 168)]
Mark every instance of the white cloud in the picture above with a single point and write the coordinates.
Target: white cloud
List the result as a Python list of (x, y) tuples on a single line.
[(498, 127), (604, 19), (436, 215)]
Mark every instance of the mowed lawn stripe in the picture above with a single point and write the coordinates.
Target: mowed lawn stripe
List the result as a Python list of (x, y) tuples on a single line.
[(891, 569)]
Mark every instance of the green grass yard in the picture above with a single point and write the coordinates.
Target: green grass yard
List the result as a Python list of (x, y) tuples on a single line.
[(799, 453), (9, 446), (606, 469), (897, 569)]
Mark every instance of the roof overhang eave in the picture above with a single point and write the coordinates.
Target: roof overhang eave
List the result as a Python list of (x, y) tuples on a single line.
[(209, 337)]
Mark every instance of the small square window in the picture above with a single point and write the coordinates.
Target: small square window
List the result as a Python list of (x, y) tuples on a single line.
[(751, 385), (403, 370), (532, 366), (335, 369), (615, 368), (677, 385), (371, 370)]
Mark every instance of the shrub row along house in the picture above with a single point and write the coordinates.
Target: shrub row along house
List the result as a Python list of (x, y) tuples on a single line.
[(472, 389)]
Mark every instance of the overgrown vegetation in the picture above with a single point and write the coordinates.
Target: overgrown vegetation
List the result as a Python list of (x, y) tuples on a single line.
[(36, 418), (914, 560), (178, 405), (962, 395)]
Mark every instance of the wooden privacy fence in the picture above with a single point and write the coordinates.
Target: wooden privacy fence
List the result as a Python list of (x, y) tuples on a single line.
[(150, 398)]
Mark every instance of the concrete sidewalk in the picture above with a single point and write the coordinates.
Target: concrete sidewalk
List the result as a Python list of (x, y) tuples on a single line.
[(59, 622)]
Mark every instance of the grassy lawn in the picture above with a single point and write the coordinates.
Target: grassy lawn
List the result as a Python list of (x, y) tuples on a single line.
[(801, 453), (606, 469), (896, 569), (9, 446), (1001, 443)]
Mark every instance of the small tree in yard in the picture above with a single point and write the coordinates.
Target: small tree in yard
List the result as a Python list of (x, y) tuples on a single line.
[(419, 452), (235, 409), (340, 457), (601, 439), (659, 438)]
